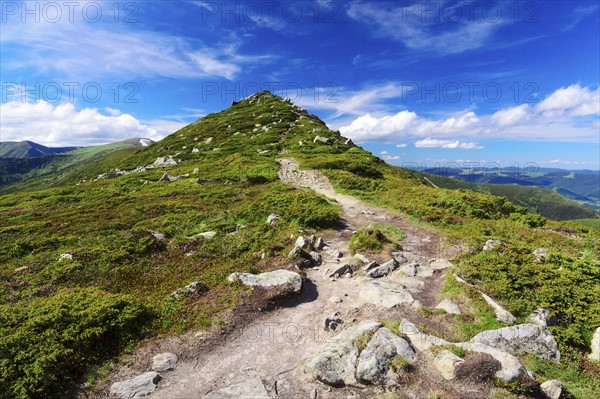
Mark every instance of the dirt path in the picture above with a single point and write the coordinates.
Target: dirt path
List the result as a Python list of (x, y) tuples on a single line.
[(273, 347)]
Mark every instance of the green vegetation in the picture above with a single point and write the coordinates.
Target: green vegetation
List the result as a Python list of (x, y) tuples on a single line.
[(592, 223), (45, 342), (119, 264), (374, 239)]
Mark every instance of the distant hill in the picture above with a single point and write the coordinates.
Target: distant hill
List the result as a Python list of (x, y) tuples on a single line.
[(15, 168), (582, 186), (29, 149), (548, 203)]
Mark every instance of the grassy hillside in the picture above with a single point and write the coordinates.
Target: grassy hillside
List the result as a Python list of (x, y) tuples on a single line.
[(72, 164), (28, 149), (545, 202), (125, 273)]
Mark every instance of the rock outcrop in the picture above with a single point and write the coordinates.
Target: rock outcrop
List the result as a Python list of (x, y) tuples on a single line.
[(269, 280), (164, 362), (386, 294), (140, 386)]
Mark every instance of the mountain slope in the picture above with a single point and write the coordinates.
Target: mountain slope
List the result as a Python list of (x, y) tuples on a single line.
[(29, 149), (15, 170), (136, 237)]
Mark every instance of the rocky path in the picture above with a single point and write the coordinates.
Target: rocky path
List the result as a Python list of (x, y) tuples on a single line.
[(266, 358)]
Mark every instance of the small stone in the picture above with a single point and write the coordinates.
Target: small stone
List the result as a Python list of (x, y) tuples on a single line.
[(491, 244), (335, 299), (164, 362), (553, 389), (449, 307), (332, 323), (272, 219), (65, 257), (341, 271)]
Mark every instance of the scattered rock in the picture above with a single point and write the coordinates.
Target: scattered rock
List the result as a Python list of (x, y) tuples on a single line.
[(491, 244), (386, 294), (319, 243), (501, 314), (511, 369), (370, 265), (158, 236), (522, 338), (449, 307), (373, 363), (140, 386), (440, 264), (446, 362), (553, 389), (384, 269), (191, 289), (412, 284), (419, 340), (272, 219), (322, 140), (301, 242), (65, 257), (334, 364), (269, 280), (541, 254), (207, 235), (164, 362), (168, 178), (595, 355), (332, 323), (253, 388), (315, 258), (539, 317), (341, 271)]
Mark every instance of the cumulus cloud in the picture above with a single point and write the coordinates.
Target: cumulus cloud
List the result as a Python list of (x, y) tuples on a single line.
[(573, 100), (448, 144), (63, 125), (556, 118)]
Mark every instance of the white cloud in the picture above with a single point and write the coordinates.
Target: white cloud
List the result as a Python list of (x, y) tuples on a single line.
[(578, 14), (556, 118), (63, 125), (404, 24), (401, 145), (447, 144), (572, 100), (78, 50), (511, 116), (391, 157), (383, 152)]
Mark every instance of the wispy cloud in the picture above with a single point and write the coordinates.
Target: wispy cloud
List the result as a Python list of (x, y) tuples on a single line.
[(407, 25), (77, 50), (578, 14), (447, 144)]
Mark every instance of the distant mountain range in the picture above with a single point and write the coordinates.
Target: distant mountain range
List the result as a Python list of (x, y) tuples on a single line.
[(582, 186), (29, 149), (25, 160)]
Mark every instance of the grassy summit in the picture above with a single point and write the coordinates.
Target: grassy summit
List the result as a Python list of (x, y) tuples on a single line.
[(115, 288)]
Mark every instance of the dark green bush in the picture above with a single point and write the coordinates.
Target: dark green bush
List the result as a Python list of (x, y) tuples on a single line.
[(46, 343)]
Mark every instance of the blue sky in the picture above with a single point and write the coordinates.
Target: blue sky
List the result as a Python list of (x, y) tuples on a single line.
[(414, 82)]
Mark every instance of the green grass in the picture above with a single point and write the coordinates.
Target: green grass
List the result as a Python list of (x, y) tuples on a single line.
[(374, 239)]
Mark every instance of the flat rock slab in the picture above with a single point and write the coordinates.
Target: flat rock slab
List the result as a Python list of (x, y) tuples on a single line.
[(269, 280), (448, 306), (138, 387), (335, 364), (164, 362), (502, 314), (440, 264), (522, 338), (249, 389), (412, 284), (446, 363), (386, 294)]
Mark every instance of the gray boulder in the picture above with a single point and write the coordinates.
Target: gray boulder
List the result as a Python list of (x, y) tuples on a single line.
[(439, 264), (370, 265), (385, 294), (384, 269), (552, 389), (449, 307), (319, 243), (301, 242), (491, 244), (419, 340), (140, 386), (501, 314), (322, 140), (191, 289), (65, 257), (342, 271), (269, 280), (372, 366), (446, 363), (252, 388), (272, 219), (164, 362), (335, 363), (522, 338), (511, 368), (541, 254)]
